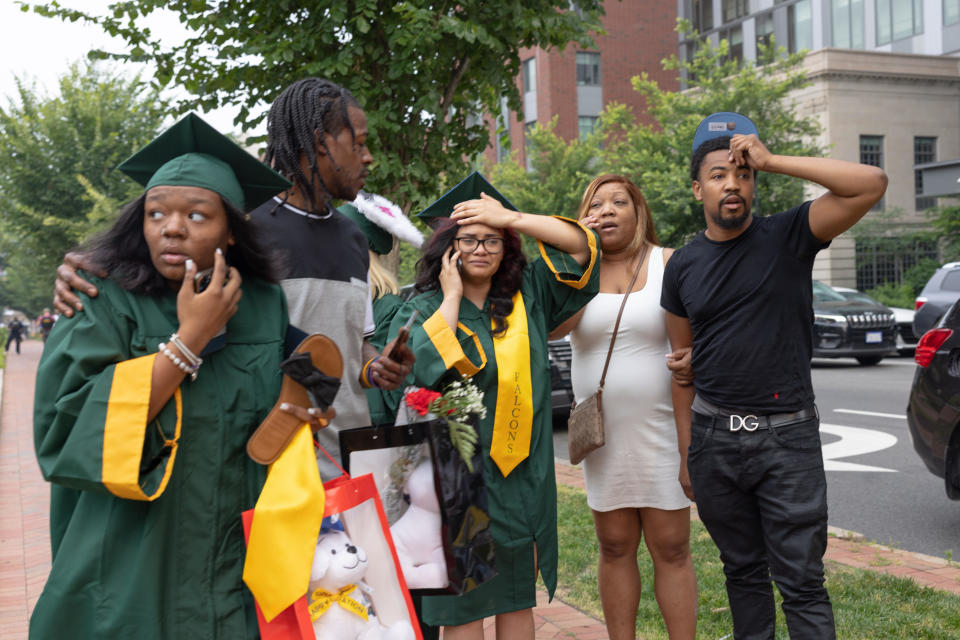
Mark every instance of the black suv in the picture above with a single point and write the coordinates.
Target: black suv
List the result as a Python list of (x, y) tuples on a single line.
[(941, 291), (933, 411), (851, 328)]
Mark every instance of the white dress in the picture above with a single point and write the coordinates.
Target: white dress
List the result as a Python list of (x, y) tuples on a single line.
[(638, 465)]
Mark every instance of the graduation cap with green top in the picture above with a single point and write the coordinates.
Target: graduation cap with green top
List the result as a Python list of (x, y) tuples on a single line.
[(191, 153), (468, 189)]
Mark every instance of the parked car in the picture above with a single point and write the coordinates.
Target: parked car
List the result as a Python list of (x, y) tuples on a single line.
[(941, 291), (561, 387), (933, 411), (906, 341), (851, 329)]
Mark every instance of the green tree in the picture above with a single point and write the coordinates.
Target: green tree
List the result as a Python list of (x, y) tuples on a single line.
[(946, 224), (57, 178), (423, 70), (657, 156), (559, 172)]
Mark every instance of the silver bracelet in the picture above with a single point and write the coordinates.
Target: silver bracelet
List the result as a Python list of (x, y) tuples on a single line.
[(192, 358), (180, 364)]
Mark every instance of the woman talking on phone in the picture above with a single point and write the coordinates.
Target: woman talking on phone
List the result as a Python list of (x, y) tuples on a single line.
[(484, 314), (145, 402)]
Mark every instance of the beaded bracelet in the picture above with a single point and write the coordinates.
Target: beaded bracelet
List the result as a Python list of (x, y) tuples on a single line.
[(194, 360), (183, 366), (365, 378)]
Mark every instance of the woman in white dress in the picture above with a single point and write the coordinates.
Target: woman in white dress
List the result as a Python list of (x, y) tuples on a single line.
[(632, 481)]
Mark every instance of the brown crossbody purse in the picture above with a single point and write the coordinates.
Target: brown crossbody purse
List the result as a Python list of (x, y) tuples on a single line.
[(585, 426)]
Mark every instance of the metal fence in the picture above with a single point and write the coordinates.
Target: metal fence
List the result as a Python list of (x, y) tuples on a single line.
[(886, 260)]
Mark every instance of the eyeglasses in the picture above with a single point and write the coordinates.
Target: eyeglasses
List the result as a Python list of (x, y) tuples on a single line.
[(469, 245)]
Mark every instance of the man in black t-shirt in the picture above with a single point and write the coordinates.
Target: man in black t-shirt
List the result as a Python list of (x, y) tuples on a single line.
[(740, 294)]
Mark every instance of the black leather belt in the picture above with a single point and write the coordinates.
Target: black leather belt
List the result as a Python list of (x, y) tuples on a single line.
[(751, 422)]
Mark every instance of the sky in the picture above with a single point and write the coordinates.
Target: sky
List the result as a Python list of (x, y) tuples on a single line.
[(40, 49)]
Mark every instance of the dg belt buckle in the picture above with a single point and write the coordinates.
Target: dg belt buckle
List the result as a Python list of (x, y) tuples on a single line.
[(747, 423)]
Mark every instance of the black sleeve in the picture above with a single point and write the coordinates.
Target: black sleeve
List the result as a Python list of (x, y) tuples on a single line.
[(670, 292), (799, 238)]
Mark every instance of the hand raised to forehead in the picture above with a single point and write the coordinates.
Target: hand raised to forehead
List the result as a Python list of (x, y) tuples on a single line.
[(485, 210), (749, 151)]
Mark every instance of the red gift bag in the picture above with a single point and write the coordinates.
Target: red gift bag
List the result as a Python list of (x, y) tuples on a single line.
[(357, 503)]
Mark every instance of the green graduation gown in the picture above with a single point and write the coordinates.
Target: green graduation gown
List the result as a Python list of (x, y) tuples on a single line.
[(523, 506), (145, 518), (383, 408)]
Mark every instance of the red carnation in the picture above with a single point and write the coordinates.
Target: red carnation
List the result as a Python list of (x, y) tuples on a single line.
[(420, 400)]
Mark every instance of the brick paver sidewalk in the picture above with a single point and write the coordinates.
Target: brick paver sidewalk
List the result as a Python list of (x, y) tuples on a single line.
[(24, 497), (25, 547), (25, 504)]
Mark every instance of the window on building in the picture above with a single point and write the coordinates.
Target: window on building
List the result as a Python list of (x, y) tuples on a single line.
[(871, 152), (588, 69), (587, 125), (799, 26), (734, 38), (528, 156), (530, 75), (733, 9), (764, 29), (848, 24), (503, 131), (924, 150), (951, 12), (701, 15), (898, 19)]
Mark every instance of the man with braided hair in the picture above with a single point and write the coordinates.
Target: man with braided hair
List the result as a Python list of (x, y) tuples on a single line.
[(316, 138)]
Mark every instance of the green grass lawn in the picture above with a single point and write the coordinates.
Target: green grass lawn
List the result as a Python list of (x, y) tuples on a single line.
[(867, 605)]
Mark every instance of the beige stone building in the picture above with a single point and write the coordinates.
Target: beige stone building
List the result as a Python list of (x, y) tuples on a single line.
[(885, 87), (887, 109)]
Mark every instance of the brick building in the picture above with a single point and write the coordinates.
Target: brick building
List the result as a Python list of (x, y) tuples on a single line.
[(575, 84)]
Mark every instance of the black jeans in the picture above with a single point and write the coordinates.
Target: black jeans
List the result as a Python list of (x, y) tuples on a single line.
[(763, 497)]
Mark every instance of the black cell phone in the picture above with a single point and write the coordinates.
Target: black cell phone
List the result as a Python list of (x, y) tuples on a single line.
[(202, 280), (404, 333), (459, 264)]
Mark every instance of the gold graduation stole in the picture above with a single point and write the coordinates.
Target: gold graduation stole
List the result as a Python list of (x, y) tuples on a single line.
[(323, 600), (513, 419), (286, 523)]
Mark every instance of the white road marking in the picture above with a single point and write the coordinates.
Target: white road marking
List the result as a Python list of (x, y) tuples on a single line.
[(874, 414), (854, 441)]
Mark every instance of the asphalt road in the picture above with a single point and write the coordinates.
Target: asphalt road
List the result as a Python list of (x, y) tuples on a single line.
[(877, 485)]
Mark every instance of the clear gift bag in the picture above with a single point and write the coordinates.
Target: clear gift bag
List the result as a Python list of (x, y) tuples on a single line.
[(436, 506)]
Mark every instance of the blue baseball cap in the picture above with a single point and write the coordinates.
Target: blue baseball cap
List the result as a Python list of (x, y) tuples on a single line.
[(723, 123)]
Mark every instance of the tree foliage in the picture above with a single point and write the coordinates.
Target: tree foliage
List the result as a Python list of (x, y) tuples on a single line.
[(657, 156), (57, 178), (423, 70), (946, 224), (559, 172)]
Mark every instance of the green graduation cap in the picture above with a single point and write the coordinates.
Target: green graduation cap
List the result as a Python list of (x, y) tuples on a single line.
[(379, 239), (468, 189), (191, 153)]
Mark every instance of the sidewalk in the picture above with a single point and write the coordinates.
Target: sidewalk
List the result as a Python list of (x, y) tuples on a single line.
[(25, 548)]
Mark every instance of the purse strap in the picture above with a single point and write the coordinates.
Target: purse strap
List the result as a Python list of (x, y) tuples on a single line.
[(616, 326)]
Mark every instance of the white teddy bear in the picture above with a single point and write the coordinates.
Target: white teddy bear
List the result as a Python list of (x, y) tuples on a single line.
[(417, 533), (337, 598)]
